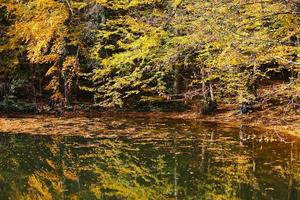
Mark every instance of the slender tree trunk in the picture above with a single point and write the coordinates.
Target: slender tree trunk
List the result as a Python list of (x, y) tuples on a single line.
[(176, 80), (203, 86), (211, 91), (66, 91)]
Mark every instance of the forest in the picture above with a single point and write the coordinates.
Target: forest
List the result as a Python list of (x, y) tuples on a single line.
[(149, 54), (150, 99)]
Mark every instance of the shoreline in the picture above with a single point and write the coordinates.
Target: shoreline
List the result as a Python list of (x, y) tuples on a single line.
[(270, 121)]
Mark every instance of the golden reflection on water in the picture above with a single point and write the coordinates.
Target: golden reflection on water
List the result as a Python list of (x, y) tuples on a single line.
[(147, 159)]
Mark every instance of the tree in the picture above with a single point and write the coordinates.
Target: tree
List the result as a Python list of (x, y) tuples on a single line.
[(125, 52)]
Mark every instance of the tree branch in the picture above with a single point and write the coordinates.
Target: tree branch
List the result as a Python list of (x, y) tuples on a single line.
[(288, 61)]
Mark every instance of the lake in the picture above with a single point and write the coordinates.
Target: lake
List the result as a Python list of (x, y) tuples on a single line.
[(146, 158)]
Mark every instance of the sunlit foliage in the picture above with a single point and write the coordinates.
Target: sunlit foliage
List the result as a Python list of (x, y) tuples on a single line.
[(125, 52)]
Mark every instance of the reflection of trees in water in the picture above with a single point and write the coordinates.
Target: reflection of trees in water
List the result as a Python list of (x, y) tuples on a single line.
[(226, 167), (122, 174), (285, 168), (186, 161), (225, 172), (103, 169), (290, 173), (28, 168)]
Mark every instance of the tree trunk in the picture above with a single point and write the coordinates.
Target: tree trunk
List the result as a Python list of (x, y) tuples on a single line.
[(203, 86), (176, 80), (212, 98)]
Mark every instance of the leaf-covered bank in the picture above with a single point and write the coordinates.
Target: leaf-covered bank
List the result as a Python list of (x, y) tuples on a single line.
[(57, 124)]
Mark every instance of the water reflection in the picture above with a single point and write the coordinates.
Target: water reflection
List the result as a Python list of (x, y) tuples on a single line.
[(146, 159)]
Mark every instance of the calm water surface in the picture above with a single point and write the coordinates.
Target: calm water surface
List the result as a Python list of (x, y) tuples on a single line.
[(150, 159)]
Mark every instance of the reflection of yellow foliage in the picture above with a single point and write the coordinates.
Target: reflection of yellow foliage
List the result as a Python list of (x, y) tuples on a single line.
[(15, 193), (37, 190), (70, 175), (51, 163), (121, 178), (98, 168)]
